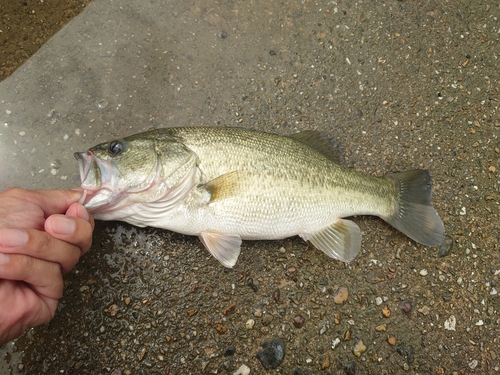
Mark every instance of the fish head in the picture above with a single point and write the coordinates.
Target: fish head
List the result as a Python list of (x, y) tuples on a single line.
[(152, 169), (112, 171)]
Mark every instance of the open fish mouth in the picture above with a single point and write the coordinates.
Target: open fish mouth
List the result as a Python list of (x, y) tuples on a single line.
[(97, 180), (90, 173)]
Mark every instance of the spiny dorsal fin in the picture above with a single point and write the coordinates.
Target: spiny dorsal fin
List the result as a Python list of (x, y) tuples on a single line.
[(320, 142)]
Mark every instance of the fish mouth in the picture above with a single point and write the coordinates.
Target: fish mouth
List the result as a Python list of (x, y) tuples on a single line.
[(90, 173), (97, 179)]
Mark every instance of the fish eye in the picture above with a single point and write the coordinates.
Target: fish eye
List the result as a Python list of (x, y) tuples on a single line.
[(115, 148)]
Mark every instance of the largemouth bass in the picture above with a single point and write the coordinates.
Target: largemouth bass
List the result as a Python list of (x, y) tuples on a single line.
[(226, 185)]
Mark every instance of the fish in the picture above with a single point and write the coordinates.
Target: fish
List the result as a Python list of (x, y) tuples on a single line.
[(226, 185)]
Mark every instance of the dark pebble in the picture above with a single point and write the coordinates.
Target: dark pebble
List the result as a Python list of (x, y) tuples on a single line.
[(250, 283), (298, 321), (276, 295), (446, 246), (230, 351), (297, 371), (350, 368), (446, 298), (405, 306), (223, 35), (272, 53), (272, 353), (410, 355)]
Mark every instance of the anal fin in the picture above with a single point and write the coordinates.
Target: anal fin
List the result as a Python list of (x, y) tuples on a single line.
[(341, 240), (224, 247)]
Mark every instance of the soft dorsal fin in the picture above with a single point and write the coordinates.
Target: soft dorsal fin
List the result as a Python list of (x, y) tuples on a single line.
[(320, 142)]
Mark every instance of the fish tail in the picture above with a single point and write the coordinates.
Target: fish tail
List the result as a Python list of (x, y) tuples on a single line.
[(414, 214)]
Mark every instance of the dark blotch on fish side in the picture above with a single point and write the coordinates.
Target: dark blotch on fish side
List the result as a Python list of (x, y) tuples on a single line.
[(272, 353), (446, 246), (350, 368), (230, 351)]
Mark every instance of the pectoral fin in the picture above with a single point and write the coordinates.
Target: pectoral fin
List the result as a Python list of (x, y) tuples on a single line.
[(224, 247), (226, 186), (341, 240)]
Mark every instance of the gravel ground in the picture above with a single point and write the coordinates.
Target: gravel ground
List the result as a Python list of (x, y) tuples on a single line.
[(400, 84)]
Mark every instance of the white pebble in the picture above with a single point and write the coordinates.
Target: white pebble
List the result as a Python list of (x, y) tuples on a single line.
[(379, 301), (250, 323), (8, 112), (335, 343), (423, 272), (450, 323), (243, 370)]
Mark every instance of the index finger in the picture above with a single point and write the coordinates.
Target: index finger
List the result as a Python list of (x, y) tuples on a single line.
[(55, 201)]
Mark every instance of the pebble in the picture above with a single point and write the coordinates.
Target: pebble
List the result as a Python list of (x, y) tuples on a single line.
[(450, 323), (243, 370), (267, 319), (424, 310), (381, 328), (335, 343), (272, 353), (379, 301), (424, 272), (229, 308), (276, 295), (359, 349), (386, 312), (250, 323), (341, 295), (350, 368), (230, 351), (446, 246), (391, 340), (405, 306), (326, 362), (298, 321)]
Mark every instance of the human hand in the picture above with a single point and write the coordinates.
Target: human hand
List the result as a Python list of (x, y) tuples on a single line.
[(43, 233)]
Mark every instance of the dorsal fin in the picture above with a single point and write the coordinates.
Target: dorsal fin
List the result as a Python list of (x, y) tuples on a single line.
[(320, 142)]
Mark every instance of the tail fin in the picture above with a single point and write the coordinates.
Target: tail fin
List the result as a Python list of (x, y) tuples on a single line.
[(414, 214)]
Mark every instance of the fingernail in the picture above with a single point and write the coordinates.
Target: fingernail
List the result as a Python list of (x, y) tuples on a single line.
[(4, 258), (63, 225), (13, 238)]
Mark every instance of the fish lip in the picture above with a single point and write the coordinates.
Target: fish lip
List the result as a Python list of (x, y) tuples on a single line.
[(86, 164)]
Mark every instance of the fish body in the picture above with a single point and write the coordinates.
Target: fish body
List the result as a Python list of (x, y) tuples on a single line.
[(231, 184)]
